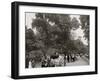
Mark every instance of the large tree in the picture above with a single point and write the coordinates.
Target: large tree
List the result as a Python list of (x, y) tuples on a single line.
[(54, 31), (85, 23)]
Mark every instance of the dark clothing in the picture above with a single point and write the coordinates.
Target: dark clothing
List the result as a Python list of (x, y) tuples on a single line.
[(44, 63), (27, 63), (54, 56), (68, 58)]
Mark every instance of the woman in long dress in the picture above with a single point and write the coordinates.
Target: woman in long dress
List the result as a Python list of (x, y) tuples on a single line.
[(30, 64)]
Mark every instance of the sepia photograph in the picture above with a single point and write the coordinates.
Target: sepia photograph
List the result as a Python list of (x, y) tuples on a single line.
[(56, 40), (52, 40)]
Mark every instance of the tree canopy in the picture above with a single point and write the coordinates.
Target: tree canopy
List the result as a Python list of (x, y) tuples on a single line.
[(85, 25), (54, 32)]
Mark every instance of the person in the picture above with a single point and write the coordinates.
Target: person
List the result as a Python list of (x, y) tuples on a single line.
[(30, 63), (26, 61), (48, 61), (61, 60), (72, 57), (68, 58), (44, 63), (64, 60), (33, 63), (52, 63)]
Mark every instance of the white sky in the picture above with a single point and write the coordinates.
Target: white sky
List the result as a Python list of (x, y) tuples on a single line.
[(79, 34), (76, 33), (29, 17), (76, 16)]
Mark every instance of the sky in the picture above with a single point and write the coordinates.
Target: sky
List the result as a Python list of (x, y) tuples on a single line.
[(29, 18), (76, 33)]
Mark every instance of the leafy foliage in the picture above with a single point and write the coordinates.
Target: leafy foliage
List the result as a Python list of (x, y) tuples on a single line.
[(53, 32), (85, 25)]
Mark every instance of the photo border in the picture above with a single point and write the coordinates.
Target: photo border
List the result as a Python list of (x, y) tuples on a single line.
[(15, 39)]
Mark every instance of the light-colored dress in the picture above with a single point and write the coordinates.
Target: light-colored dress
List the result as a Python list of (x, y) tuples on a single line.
[(30, 64)]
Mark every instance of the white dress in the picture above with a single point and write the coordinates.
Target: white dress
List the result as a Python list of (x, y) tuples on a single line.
[(30, 64)]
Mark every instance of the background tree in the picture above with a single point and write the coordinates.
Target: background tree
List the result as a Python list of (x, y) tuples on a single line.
[(85, 23), (54, 31), (75, 23)]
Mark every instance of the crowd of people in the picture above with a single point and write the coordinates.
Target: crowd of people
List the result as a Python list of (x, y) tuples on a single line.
[(53, 60), (58, 60)]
